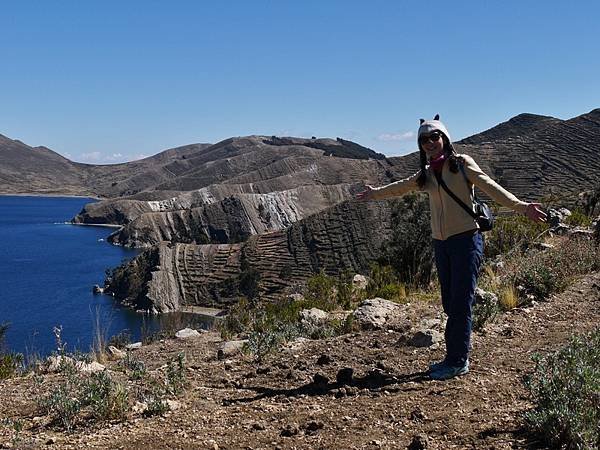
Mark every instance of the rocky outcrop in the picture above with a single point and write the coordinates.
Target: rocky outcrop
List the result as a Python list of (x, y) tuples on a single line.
[(347, 236), (232, 219)]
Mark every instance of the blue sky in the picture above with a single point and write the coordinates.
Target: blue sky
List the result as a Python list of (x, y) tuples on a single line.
[(108, 81)]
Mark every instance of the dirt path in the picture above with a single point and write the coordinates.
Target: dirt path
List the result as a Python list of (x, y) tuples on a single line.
[(235, 404)]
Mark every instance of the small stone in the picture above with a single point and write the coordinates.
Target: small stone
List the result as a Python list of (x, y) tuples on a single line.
[(140, 407), (115, 353), (290, 430), (419, 442), (340, 393), (359, 282), (313, 315), (320, 380), (173, 405), (50, 441), (324, 360), (351, 391), (314, 425), (258, 426), (425, 338), (344, 376), (134, 346), (417, 415), (92, 367), (296, 297), (375, 312)]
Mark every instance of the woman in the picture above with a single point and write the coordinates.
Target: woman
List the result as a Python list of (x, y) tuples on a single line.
[(457, 241)]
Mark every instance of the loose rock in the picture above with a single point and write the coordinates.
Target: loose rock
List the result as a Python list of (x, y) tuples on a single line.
[(230, 348), (426, 338), (186, 333), (374, 313)]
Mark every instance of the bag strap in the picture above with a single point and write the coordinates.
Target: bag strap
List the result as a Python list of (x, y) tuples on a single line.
[(442, 183)]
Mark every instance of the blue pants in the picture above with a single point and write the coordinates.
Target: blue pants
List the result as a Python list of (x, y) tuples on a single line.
[(458, 259)]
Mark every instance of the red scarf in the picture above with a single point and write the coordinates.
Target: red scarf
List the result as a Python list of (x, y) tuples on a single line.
[(438, 163)]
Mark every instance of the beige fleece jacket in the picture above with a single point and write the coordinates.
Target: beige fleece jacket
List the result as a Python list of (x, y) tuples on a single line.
[(448, 217)]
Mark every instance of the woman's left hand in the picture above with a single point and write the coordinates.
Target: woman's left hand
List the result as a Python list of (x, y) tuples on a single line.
[(534, 212)]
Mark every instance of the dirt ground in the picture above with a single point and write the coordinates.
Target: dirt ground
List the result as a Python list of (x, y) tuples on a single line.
[(237, 404)]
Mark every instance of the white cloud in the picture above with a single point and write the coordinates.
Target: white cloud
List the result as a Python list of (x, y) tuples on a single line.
[(90, 157), (113, 158), (396, 137)]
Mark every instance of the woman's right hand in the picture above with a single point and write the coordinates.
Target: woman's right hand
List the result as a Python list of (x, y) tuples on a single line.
[(534, 212), (367, 194)]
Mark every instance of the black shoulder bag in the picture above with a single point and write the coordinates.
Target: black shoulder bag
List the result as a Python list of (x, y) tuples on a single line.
[(482, 214)]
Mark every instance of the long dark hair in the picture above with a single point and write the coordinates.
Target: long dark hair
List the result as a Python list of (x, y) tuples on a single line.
[(453, 160)]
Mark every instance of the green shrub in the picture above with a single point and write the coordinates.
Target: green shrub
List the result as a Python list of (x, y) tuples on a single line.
[(321, 292), (384, 283), (132, 366), (409, 250), (107, 399), (10, 364), (175, 379), (511, 232), (63, 404), (565, 388), (156, 406), (578, 219)]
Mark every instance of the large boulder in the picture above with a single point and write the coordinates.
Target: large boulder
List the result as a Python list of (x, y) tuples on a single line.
[(373, 313)]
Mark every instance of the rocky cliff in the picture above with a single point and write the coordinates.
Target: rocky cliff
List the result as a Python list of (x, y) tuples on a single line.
[(346, 236)]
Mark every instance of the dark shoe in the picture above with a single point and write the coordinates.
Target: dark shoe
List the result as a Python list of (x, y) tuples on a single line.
[(437, 365), (446, 372)]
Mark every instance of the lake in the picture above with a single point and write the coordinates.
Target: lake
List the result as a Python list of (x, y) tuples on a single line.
[(47, 271)]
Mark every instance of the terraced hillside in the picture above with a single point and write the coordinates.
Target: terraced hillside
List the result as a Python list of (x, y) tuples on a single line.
[(348, 235)]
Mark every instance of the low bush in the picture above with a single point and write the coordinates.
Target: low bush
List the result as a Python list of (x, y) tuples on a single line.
[(578, 218), (384, 283), (409, 250), (175, 381), (107, 398), (539, 274), (511, 233), (10, 363), (63, 404), (484, 311), (565, 389)]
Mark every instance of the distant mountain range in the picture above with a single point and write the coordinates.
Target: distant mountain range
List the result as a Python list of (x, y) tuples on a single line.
[(531, 154), (279, 206)]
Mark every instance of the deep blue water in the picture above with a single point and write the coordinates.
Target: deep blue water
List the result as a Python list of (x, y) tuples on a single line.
[(47, 271)]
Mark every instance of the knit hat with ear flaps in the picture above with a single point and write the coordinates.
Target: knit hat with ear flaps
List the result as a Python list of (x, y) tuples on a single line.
[(427, 126)]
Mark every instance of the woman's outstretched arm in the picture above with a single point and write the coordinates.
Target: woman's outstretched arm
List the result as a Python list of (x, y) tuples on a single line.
[(480, 179), (394, 189)]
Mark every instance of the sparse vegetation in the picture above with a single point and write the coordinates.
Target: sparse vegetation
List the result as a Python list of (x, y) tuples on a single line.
[(565, 388), (538, 274), (409, 251), (107, 398), (511, 233), (10, 363), (484, 311)]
